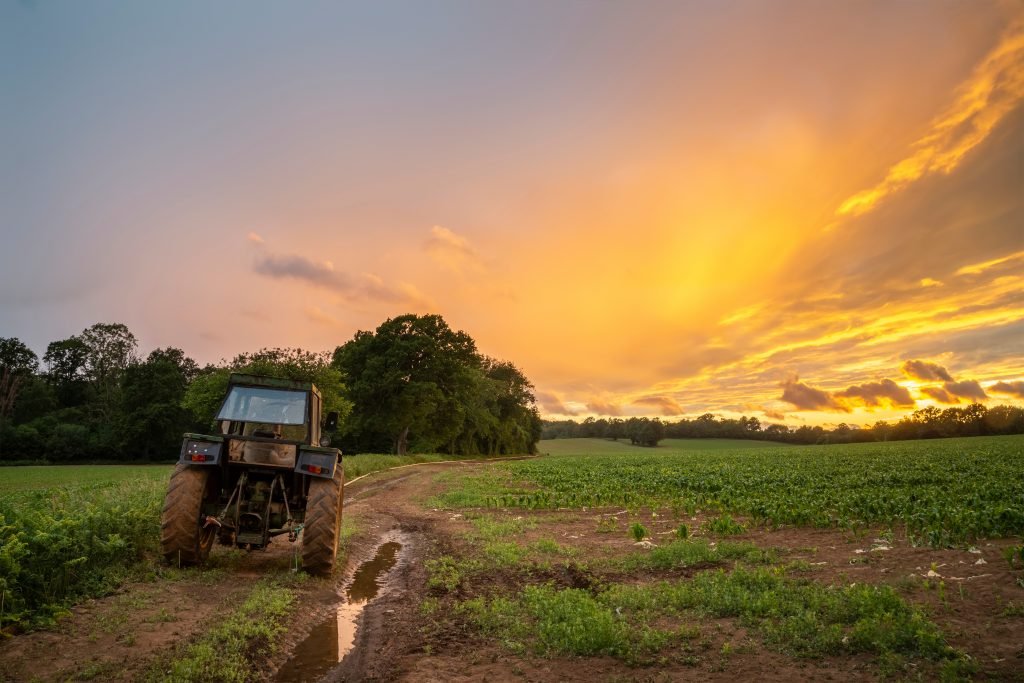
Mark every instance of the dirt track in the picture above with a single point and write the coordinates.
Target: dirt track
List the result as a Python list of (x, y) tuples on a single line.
[(119, 637)]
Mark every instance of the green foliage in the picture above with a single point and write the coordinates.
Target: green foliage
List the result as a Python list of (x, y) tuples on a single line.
[(944, 492), (683, 532), (563, 622), (59, 544), (799, 616), (724, 526), (638, 531), (695, 553), (416, 383), (446, 573), (1014, 555), (231, 650)]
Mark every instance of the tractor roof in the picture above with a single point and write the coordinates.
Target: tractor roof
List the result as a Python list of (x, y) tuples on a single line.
[(271, 382)]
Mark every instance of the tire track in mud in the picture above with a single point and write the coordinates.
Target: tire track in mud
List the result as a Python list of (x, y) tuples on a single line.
[(386, 626)]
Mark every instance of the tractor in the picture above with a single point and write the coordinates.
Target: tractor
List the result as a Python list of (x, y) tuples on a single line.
[(270, 472)]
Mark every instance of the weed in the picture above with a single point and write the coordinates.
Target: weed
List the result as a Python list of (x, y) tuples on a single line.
[(1014, 555), (724, 526), (229, 650), (638, 531), (683, 532), (696, 552), (1013, 609)]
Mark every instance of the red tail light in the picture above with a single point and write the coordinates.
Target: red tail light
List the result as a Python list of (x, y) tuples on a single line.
[(315, 469)]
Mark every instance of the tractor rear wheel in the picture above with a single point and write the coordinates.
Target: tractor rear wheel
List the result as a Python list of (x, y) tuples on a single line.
[(322, 526), (184, 541)]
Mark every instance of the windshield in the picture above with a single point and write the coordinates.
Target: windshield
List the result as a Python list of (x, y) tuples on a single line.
[(270, 406)]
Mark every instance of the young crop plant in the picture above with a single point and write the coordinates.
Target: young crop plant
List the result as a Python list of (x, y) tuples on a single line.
[(724, 526), (683, 532), (638, 531), (942, 493)]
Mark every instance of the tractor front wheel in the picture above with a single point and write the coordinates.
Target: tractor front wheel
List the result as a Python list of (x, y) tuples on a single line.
[(322, 526), (184, 541)]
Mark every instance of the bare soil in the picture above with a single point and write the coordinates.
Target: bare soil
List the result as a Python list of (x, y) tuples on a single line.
[(118, 638)]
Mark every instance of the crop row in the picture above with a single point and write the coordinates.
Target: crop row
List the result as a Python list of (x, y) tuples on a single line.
[(943, 492)]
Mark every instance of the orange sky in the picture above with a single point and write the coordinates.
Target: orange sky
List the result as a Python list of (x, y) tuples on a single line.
[(808, 212)]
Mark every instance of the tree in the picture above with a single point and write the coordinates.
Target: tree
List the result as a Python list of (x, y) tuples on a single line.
[(17, 363), (153, 393), (402, 377), (65, 370), (110, 349)]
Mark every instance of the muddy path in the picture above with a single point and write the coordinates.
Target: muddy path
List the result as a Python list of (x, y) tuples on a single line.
[(121, 636)]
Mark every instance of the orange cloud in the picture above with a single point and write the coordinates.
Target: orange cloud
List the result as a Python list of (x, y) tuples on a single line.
[(452, 251), (993, 91), (941, 395), (926, 370), (603, 407), (353, 288), (666, 404), (969, 389), (876, 394), (553, 405), (806, 397), (976, 268), (1008, 388)]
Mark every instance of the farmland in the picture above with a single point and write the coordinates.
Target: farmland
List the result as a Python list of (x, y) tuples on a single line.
[(855, 561), (941, 492), (707, 558)]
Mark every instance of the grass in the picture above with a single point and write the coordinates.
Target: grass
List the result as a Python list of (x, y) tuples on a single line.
[(233, 650), (697, 552), (632, 622)]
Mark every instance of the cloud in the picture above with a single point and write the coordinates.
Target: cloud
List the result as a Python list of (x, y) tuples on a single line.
[(1008, 388), (666, 404), (939, 394), (452, 251), (552, 404), (318, 316), (876, 394), (254, 238), (969, 389), (601, 407), (774, 414), (978, 268), (354, 288), (993, 91), (807, 397), (926, 370)]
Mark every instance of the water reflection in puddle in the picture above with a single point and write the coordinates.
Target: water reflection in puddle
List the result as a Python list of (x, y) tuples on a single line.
[(332, 639)]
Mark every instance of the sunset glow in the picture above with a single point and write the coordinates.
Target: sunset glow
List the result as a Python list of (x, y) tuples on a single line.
[(806, 212)]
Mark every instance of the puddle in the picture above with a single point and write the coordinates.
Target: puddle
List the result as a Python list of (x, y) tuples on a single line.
[(332, 639)]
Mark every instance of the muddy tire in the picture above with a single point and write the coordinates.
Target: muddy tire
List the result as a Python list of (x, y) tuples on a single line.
[(183, 540), (322, 526)]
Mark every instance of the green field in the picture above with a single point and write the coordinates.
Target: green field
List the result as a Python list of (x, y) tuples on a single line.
[(606, 447), (75, 531), (943, 492)]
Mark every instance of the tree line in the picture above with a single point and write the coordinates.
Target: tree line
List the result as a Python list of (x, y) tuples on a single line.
[(412, 384), (926, 423)]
